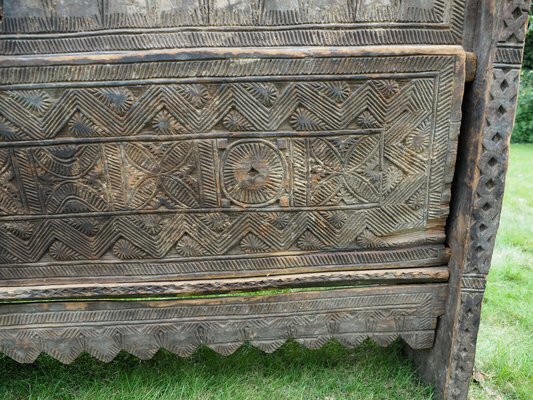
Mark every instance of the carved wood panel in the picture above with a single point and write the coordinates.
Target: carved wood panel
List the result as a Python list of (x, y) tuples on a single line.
[(113, 25), (64, 330), (154, 147), (478, 193), (265, 165)]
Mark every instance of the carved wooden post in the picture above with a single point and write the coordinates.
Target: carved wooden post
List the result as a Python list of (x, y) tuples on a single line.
[(477, 193)]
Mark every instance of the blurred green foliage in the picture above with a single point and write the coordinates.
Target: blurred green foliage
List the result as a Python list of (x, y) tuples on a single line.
[(523, 129), (528, 52)]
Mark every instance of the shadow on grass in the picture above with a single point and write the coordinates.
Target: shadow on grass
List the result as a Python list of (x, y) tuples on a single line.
[(292, 372)]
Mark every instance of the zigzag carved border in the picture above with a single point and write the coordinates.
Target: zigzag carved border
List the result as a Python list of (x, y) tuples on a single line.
[(103, 329)]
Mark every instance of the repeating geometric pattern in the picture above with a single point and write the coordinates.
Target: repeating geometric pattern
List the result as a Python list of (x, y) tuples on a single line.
[(204, 234), (144, 72), (489, 183), (104, 25), (11, 201), (36, 16), (124, 168), (363, 276), (196, 268), (105, 172), (175, 111), (344, 179), (347, 170), (348, 316)]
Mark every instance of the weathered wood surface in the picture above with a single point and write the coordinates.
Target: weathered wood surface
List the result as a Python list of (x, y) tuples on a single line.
[(102, 329), (17, 290), (35, 26), (179, 146), (477, 192), (214, 164)]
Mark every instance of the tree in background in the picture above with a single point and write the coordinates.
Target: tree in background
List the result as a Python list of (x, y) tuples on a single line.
[(523, 130), (528, 51)]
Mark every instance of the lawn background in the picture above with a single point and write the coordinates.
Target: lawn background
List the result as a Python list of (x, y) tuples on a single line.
[(503, 369)]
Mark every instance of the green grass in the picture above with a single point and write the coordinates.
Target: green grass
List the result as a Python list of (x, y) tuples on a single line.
[(504, 363), (291, 373), (503, 368)]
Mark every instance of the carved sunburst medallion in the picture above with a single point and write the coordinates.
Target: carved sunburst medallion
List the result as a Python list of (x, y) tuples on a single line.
[(254, 173)]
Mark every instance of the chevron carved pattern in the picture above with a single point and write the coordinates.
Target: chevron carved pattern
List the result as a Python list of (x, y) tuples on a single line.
[(176, 110), (267, 322), (375, 168), (218, 175)]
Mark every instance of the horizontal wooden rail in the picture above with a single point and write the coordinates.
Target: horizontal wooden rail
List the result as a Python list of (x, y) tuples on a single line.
[(66, 329), (154, 289)]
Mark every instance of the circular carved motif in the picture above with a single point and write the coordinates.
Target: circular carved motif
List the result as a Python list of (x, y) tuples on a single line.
[(253, 173)]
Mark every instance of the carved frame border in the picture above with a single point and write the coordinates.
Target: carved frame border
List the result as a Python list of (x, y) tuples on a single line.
[(450, 31), (477, 192), (435, 62), (103, 329)]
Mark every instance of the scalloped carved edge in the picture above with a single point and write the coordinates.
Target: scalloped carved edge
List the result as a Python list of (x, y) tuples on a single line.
[(68, 351), (103, 329)]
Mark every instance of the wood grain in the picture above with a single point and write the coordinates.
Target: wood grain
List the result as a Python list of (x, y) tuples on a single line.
[(477, 192), (204, 147), (103, 329), (19, 290), (226, 163), (31, 27)]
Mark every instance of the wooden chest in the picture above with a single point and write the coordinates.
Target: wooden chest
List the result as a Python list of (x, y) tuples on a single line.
[(198, 147)]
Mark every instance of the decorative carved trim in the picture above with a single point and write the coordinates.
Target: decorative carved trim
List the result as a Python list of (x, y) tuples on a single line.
[(103, 329), (114, 26), (35, 16), (231, 266), (478, 193), (254, 174), (69, 291), (39, 141), (473, 283), (180, 66), (488, 196)]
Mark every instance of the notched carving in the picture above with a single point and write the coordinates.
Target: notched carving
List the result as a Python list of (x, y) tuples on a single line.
[(104, 25), (35, 16), (224, 169), (312, 319)]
